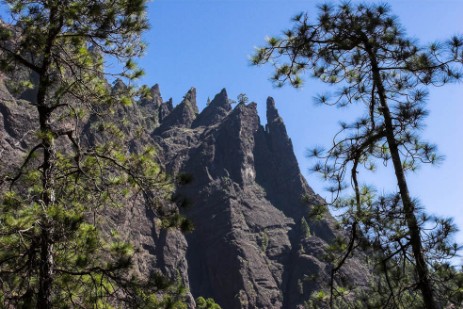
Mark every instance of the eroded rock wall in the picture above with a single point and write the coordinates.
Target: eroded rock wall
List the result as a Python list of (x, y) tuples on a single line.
[(250, 247)]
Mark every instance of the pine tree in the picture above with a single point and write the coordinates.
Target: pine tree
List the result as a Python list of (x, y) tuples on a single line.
[(364, 52), (242, 98), (55, 250)]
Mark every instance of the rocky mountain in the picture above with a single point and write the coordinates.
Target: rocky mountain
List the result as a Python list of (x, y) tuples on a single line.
[(254, 244)]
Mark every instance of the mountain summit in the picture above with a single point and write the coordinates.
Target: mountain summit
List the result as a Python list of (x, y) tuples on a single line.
[(254, 244)]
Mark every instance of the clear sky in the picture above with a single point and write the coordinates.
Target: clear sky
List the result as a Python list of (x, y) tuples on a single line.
[(207, 44)]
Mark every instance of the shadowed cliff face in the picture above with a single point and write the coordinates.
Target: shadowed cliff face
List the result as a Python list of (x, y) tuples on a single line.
[(250, 248)]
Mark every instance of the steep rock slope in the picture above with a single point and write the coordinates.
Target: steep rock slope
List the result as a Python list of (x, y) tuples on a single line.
[(250, 248), (254, 245)]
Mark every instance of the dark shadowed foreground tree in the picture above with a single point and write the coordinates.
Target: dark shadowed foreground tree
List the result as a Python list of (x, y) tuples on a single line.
[(54, 249), (363, 50)]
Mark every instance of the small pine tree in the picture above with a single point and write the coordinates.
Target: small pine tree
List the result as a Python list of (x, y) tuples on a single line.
[(209, 303), (242, 98)]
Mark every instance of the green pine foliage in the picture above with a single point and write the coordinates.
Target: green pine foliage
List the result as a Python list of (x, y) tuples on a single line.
[(362, 51), (56, 248), (209, 303), (242, 98)]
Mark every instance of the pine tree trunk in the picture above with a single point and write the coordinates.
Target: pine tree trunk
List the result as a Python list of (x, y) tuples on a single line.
[(44, 300), (48, 198), (46, 263), (46, 271), (424, 283)]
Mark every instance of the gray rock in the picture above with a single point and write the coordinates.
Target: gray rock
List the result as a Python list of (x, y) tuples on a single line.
[(249, 248), (151, 108), (119, 87), (182, 115), (165, 109), (215, 111)]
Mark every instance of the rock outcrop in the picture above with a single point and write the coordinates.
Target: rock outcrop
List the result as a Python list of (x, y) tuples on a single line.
[(254, 245), (215, 111)]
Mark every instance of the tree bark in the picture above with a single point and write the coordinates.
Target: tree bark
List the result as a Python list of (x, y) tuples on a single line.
[(424, 282), (46, 268), (44, 297), (46, 263)]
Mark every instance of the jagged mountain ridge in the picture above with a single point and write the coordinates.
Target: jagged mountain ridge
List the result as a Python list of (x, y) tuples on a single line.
[(250, 247), (247, 205)]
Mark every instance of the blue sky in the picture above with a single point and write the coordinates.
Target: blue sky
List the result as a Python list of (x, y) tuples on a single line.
[(207, 44)]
